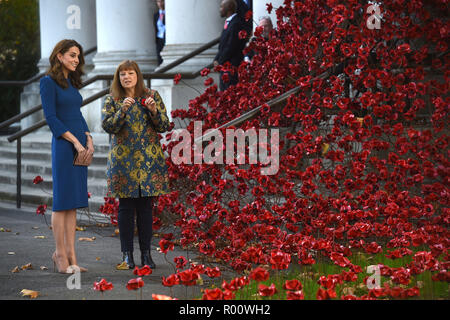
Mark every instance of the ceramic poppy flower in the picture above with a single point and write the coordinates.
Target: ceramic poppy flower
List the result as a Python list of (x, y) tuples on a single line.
[(295, 295), (41, 209), (37, 180), (208, 82), (103, 285), (135, 283), (242, 34), (171, 280), (144, 271), (213, 294), (162, 297), (259, 274), (293, 285), (280, 260), (205, 72), (207, 247), (188, 277), (177, 78), (267, 291), (325, 294), (166, 245), (180, 262), (213, 272)]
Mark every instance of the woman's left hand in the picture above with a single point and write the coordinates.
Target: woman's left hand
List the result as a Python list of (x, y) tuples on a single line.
[(90, 147), (150, 104)]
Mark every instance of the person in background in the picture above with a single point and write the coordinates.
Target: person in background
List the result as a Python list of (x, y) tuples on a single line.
[(266, 24), (159, 20), (136, 167), (231, 44), (61, 102)]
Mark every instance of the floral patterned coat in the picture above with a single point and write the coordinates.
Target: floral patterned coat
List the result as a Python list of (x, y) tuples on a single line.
[(136, 157)]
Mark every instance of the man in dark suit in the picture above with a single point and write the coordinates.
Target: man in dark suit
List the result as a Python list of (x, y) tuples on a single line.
[(230, 46), (159, 20), (243, 6)]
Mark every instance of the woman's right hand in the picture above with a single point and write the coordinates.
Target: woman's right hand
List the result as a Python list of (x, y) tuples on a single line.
[(127, 102), (79, 147)]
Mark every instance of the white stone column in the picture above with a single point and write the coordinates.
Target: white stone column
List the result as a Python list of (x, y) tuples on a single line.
[(125, 31), (62, 19), (189, 25), (260, 10)]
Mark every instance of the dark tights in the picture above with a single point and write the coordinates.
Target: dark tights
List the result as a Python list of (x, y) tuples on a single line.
[(143, 208)]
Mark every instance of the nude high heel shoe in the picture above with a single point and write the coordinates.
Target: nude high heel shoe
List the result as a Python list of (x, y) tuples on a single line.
[(69, 269)]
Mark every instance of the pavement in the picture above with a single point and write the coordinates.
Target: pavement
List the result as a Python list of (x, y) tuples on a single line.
[(26, 239)]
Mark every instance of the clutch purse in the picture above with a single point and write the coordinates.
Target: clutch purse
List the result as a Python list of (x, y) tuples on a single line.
[(79, 161)]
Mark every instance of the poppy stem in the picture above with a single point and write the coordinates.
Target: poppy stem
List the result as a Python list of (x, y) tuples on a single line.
[(167, 260)]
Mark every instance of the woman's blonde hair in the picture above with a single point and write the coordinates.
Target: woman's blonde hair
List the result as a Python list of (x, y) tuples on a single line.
[(117, 91), (56, 69)]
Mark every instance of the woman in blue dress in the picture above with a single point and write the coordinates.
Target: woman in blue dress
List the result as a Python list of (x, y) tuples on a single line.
[(61, 102)]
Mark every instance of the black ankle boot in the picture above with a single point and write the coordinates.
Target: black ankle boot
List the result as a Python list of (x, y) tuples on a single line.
[(128, 258), (146, 259)]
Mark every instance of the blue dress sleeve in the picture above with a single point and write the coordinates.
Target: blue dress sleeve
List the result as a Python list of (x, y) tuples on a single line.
[(48, 98)]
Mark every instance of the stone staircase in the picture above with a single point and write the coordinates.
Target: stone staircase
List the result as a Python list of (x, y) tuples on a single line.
[(36, 160)]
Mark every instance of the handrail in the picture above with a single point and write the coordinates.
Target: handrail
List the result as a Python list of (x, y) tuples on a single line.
[(189, 55), (22, 83)]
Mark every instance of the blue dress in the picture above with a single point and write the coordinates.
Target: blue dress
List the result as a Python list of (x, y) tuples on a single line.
[(62, 112)]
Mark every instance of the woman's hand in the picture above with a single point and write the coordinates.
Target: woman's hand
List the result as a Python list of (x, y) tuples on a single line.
[(150, 104), (78, 146), (82, 151), (90, 147), (90, 144), (127, 103)]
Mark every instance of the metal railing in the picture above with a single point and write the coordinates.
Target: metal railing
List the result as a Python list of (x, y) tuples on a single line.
[(161, 73)]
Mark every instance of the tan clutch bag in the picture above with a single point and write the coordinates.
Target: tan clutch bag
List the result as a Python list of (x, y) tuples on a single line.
[(79, 161)]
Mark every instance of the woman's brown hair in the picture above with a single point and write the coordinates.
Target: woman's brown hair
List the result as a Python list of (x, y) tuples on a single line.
[(56, 69), (117, 91)]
